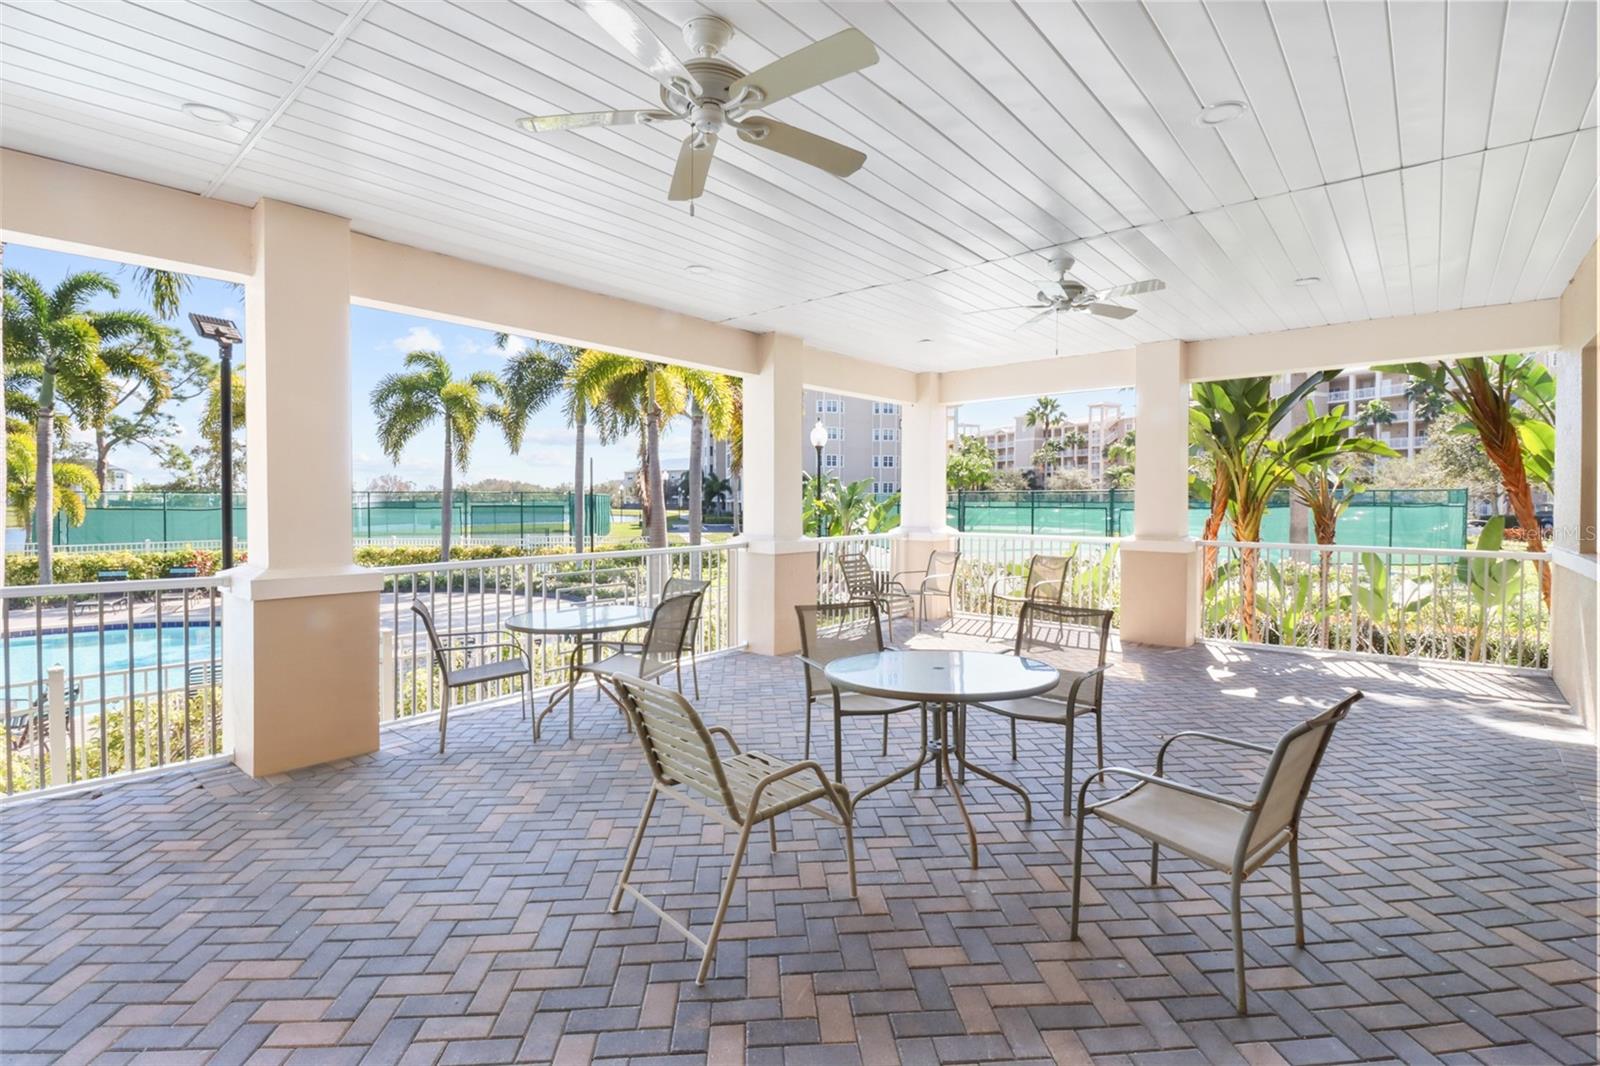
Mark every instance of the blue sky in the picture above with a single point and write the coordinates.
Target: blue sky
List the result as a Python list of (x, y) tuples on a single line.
[(379, 341)]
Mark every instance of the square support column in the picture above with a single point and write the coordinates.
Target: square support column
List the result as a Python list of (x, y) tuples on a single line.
[(779, 570), (300, 621), (1160, 563), (1574, 606), (923, 454)]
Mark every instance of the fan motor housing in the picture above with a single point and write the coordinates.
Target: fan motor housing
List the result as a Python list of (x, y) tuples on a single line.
[(716, 76)]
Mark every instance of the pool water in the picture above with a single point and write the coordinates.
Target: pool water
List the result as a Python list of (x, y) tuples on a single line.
[(29, 659)]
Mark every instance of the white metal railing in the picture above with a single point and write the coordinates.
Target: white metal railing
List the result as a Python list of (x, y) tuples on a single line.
[(991, 561), (1453, 605), (30, 548), (101, 679), (474, 599), (512, 540), (877, 547)]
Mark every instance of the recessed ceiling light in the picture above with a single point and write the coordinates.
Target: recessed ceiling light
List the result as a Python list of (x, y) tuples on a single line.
[(206, 113), (698, 268), (925, 340), (1221, 111), (1309, 279)]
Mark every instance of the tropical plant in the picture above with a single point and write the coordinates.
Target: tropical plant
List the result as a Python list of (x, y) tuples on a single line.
[(1235, 422), (1048, 456), (1073, 479), (533, 378), (1072, 438), (1043, 415), (75, 484), (54, 355), (1375, 413), (206, 457), (638, 394), (1327, 480), (1493, 585), (143, 387), (1387, 598), (1120, 455), (407, 403), (1509, 402), (716, 489), (970, 466)]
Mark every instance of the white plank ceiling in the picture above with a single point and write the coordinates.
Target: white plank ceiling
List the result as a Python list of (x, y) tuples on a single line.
[(1415, 156)]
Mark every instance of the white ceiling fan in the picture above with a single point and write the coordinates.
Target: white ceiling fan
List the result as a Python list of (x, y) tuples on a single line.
[(1062, 293), (711, 94)]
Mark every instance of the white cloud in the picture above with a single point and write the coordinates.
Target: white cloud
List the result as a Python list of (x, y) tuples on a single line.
[(417, 338)]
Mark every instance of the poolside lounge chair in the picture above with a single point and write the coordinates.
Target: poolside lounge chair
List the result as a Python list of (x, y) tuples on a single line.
[(104, 599), (741, 792), (1222, 832)]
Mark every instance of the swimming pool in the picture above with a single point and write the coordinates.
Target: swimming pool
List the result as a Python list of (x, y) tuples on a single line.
[(91, 658)]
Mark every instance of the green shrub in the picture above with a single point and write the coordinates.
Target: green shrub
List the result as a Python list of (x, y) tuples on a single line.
[(74, 567)]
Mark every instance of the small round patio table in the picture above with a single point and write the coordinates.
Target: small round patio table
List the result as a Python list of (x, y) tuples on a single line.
[(575, 622), (946, 681)]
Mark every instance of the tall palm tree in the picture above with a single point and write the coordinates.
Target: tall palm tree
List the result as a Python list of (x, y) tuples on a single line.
[(1509, 399), (533, 378), (54, 352), (642, 395), (408, 403), (1044, 414), (136, 369)]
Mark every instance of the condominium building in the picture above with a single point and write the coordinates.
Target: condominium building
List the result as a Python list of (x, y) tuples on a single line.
[(1401, 425), (863, 439), (1084, 440)]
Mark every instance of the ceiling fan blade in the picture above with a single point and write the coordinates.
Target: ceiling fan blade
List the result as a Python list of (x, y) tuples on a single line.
[(796, 143), (585, 119), (1108, 310), (832, 57), (1131, 289), (689, 178), (1013, 307), (618, 18), (1048, 311)]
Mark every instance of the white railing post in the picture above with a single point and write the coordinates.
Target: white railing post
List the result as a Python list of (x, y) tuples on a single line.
[(56, 712), (386, 703)]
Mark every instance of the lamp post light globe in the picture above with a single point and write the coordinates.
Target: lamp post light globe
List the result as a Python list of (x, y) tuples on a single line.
[(819, 438)]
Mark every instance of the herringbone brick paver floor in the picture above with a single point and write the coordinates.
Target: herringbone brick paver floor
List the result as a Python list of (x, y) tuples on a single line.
[(408, 907)]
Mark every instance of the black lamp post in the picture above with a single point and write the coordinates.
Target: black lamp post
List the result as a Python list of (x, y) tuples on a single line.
[(226, 334), (819, 438)]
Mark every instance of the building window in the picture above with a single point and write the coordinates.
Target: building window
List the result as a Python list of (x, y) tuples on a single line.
[(835, 433), (888, 461), (886, 434), (884, 408), (830, 461)]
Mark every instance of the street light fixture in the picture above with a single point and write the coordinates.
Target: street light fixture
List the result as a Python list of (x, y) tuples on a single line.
[(819, 438), (226, 335)]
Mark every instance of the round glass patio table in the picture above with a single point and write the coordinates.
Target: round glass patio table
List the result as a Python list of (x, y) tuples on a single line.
[(946, 681), (575, 622)]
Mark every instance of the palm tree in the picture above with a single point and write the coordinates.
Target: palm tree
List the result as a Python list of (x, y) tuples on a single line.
[(1044, 414), (1509, 399), (535, 376), (645, 395), (715, 489), (1236, 421), (1120, 456), (408, 403), (74, 485), (132, 368), (53, 348), (1072, 439)]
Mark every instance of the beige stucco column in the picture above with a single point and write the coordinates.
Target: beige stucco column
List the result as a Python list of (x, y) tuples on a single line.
[(923, 453), (1160, 564), (780, 568), (300, 622), (1574, 605)]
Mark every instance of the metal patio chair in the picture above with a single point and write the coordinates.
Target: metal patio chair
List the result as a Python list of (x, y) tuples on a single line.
[(938, 578), (862, 584), (830, 631), (659, 653), (678, 586), (1046, 582), (1222, 832), (1064, 633), (740, 792), (447, 647)]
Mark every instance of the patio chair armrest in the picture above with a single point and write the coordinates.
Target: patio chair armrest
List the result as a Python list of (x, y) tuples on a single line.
[(1161, 754), (1152, 779), (812, 663), (722, 731), (999, 582), (1072, 693), (830, 787)]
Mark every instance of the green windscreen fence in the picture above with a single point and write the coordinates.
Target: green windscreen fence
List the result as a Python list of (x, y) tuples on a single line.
[(132, 518), (1400, 518)]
